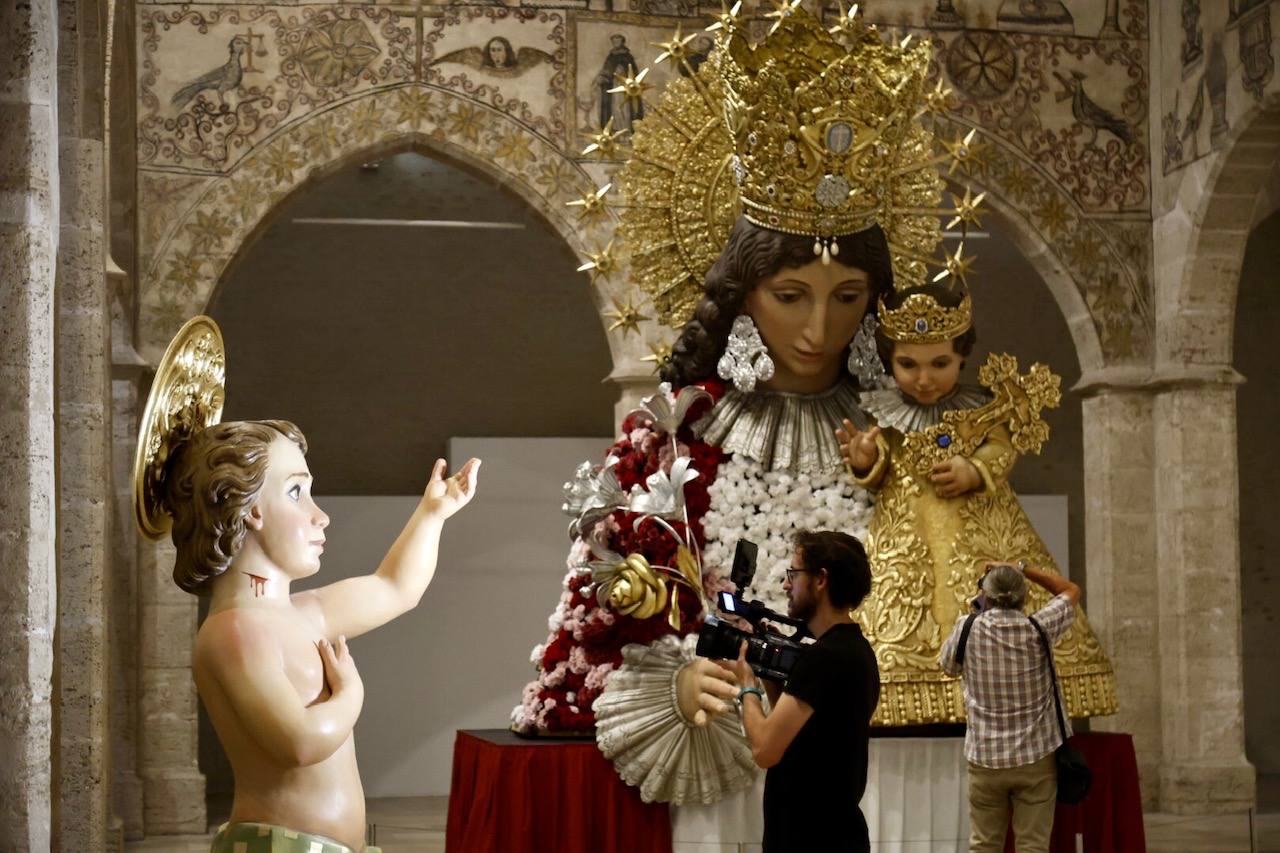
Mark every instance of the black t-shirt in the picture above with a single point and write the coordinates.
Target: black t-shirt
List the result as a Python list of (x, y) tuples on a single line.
[(811, 796)]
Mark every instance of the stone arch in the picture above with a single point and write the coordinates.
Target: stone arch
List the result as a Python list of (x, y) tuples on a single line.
[(1094, 266), (1197, 325), (1053, 271), (231, 210)]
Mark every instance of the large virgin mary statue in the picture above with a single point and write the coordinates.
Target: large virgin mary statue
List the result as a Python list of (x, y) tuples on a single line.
[(773, 195)]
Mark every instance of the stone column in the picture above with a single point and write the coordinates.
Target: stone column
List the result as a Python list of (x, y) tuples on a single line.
[(28, 248), (636, 380), (83, 530), (1204, 769), (1121, 568), (173, 787), (127, 370), (81, 765)]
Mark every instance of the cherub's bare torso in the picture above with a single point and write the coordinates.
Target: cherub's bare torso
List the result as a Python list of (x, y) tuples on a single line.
[(324, 798)]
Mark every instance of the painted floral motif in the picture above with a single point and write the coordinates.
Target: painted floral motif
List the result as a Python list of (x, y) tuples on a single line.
[(982, 64), (206, 220), (335, 51)]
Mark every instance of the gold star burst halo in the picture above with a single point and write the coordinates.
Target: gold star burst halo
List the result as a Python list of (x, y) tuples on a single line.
[(809, 131)]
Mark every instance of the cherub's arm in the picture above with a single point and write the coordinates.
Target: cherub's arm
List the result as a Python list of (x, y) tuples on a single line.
[(866, 453), (986, 469), (353, 606), (245, 660), (994, 458)]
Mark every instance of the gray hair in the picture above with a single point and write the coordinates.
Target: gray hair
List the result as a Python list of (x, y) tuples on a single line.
[(1005, 587)]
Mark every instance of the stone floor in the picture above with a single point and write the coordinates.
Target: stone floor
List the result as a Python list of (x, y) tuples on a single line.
[(416, 825)]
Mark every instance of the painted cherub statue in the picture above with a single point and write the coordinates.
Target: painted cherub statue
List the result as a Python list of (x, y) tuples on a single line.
[(272, 666), (938, 456)]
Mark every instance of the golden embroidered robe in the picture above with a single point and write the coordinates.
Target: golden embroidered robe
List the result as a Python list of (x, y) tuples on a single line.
[(927, 555)]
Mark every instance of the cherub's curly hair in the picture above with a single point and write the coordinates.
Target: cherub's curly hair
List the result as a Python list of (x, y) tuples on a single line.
[(211, 482), (750, 255)]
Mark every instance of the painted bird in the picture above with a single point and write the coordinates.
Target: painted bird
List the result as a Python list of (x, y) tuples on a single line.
[(222, 79), (1088, 113)]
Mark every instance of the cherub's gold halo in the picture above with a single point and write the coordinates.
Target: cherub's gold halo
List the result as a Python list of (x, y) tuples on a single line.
[(186, 396)]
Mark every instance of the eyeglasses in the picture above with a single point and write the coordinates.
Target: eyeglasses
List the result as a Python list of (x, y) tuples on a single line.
[(791, 574)]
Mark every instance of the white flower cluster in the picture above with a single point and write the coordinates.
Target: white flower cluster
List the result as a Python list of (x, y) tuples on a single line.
[(768, 507)]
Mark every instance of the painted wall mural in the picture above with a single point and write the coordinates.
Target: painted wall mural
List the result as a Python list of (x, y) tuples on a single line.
[(1226, 67), (239, 105)]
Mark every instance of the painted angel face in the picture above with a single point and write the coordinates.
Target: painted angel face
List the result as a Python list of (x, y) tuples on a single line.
[(926, 372), (289, 526), (807, 317), (499, 52)]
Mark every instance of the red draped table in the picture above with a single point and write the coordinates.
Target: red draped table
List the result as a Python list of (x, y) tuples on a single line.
[(1110, 818), (511, 795)]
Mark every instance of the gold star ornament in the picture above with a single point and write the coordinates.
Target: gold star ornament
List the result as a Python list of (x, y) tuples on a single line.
[(627, 317), (601, 263), (593, 204), (659, 354), (605, 143)]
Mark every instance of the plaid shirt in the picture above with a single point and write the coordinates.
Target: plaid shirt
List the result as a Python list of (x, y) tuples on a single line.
[(1012, 720)]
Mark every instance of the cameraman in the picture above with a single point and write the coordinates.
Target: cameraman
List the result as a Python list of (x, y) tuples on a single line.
[(814, 742), (1013, 725)]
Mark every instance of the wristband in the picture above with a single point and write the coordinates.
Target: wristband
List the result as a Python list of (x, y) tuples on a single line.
[(744, 691)]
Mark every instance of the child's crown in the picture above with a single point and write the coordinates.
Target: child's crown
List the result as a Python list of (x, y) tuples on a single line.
[(922, 320)]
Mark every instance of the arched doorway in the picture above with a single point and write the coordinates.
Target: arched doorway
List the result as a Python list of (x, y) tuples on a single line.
[(1258, 410)]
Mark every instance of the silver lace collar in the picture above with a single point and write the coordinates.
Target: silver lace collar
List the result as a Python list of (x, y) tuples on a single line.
[(782, 431), (891, 408)]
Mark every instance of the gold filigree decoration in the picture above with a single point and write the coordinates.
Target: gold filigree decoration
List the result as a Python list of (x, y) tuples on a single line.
[(1017, 402), (807, 132), (921, 320), (187, 395), (897, 616)]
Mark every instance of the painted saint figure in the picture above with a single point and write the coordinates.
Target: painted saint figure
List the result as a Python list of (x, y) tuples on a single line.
[(618, 65), (272, 666)]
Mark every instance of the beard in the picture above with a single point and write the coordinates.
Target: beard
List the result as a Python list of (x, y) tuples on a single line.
[(801, 608)]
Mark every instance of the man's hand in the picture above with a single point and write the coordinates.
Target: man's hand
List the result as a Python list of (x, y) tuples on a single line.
[(858, 448), (443, 497), (340, 669), (704, 689), (954, 477), (741, 670)]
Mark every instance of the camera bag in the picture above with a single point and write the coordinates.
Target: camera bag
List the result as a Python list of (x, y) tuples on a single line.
[(1074, 775)]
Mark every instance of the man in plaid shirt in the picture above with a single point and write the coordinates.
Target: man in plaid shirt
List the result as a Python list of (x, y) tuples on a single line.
[(1013, 725)]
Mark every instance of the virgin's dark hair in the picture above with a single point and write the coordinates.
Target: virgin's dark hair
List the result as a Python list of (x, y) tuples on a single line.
[(750, 255), (944, 296)]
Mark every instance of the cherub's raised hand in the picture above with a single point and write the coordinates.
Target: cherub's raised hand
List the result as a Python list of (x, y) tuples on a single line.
[(446, 495), (858, 447)]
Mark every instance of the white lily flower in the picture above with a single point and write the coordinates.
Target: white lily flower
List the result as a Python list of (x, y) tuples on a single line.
[(668, 410), (664, 493)]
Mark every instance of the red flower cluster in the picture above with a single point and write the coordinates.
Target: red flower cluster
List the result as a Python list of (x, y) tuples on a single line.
[(601, 641)]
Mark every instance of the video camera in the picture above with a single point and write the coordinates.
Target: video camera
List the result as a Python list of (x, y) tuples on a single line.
[(771, 655)]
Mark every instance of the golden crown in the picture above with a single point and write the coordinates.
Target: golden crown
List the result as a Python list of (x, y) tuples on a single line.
[(811, 131), (826, 138), (920, 319)]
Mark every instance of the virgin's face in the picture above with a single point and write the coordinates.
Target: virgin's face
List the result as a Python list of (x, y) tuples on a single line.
[(807, 316), (927, 372), (285, 520)]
